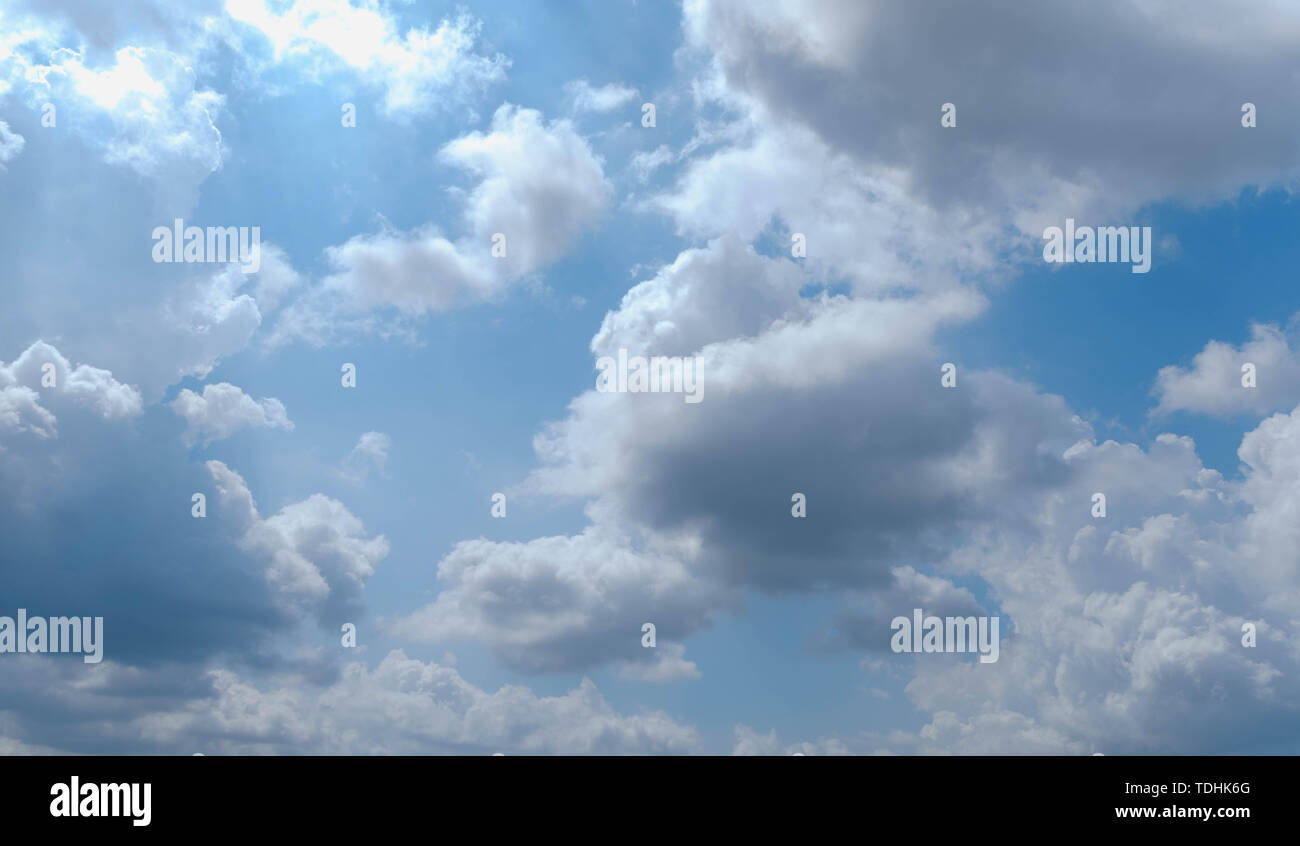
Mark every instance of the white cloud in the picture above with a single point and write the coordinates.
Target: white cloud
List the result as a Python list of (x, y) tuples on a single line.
[(205, 321), (1213, 382), (722, 291), (195, 323), (558, 603), (370, 453), (318, 557), (417, 70), (11, 144), (400, 706), (274, 280), (582, 96), (645, 163), (223, 409), (22, 389), (665, 662), (1127, 629), (861, 225), (144, 110), (21, 411), (539, 185)]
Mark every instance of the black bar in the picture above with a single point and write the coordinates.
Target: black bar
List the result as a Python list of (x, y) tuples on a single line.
[(437, 796)]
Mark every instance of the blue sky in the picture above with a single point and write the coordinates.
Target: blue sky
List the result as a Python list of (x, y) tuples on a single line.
[(475, 375)]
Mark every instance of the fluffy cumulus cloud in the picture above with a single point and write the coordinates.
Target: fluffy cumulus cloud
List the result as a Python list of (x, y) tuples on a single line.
[(142, 107), (841, 399), (317, 552), (138, 84), (159, 117), (1122, 634), (860, 226), (224, 409), (1033, 138), (196, 320), (1126, 632), (33, 385), (403, 704), (400, 706), (1127, 629), (109, 484), (1218, 381), (560, 603), (539, 186), (417, 69), (205, 318)]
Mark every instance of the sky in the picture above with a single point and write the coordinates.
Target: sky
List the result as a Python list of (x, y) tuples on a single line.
[(462, 209)]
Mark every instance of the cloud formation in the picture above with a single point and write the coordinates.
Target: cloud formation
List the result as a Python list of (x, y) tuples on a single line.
[(224, 409), (1216, 381), (539, 186)]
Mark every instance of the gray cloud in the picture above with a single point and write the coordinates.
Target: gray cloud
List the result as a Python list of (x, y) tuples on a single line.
[(1079, 108), (563, 603)]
